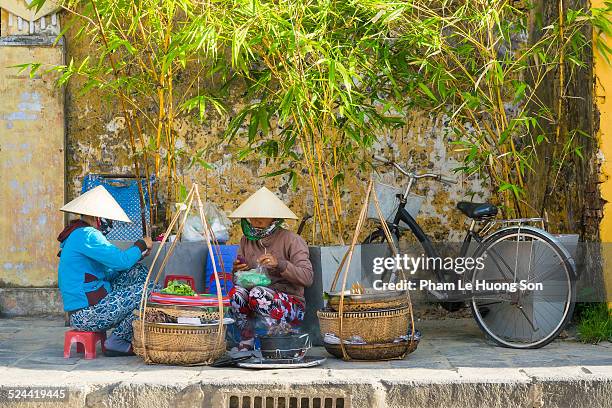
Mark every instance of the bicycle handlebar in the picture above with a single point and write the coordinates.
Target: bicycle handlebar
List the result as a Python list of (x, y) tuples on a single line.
[(443, 179), (382, 159), (447, 180)]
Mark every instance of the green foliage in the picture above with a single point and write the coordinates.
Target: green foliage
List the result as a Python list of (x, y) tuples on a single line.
[(477, 67), (322, 80), (148, 58), (595, 323), (322, 71)]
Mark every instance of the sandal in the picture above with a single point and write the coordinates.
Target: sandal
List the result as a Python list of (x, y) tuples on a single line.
[(246, 345)]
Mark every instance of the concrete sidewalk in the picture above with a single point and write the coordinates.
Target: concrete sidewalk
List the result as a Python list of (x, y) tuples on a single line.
[(453, 367)]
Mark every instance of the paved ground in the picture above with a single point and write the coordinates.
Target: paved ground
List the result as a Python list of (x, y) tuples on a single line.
[(453, 366)]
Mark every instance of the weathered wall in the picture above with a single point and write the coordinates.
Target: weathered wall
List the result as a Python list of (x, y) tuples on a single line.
[(31, 166), (571, 191), (568, 191)]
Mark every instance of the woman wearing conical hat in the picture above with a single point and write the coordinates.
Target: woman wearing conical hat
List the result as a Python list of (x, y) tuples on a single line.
[(101, 285), (282, 253)]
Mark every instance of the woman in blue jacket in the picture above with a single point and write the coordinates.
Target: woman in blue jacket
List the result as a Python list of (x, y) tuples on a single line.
[(101, 285)]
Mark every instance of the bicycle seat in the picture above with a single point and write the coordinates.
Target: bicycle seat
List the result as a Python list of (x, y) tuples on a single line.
[(477, 210)]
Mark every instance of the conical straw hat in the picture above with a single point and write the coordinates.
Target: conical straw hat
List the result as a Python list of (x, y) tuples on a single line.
[(97, 202), (263, 204)]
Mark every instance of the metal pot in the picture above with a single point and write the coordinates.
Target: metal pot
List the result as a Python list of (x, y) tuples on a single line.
[(285, 347)]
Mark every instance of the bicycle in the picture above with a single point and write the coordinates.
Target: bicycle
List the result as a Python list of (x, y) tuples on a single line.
[(513, 316)]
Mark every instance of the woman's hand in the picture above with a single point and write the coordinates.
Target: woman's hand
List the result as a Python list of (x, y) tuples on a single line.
[(149, 242), (240, 265), (268, 260), (144, 244)]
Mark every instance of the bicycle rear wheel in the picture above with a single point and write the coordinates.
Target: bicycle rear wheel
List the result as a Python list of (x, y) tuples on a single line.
[(524, 295)]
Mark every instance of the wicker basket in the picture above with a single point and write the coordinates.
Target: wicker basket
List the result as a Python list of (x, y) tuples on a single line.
[(176, 345), (173, 343), (376, 326), (183, 311), (381, 351), (371, 300)]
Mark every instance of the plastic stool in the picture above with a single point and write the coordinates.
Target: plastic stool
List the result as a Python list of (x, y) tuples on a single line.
[(184, 278), (86, 342)]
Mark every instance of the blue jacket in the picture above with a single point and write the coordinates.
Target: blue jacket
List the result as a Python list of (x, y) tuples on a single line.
[(86, 250)]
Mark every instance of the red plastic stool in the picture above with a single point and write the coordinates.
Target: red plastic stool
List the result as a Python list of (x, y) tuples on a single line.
[(185, 278), (86, 342)]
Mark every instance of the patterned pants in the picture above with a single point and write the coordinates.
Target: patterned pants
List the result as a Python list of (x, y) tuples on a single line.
[(115, 309), (268, 305)]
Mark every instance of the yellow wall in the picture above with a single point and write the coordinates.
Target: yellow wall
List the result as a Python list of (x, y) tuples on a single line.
[(603, 99), (31, 168)]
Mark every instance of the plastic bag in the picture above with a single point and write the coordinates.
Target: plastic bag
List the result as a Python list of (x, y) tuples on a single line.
[(251, 278), (192, 231), (219, 223), (216, 218)]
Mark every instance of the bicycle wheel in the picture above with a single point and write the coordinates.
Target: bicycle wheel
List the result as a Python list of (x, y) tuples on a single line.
[(524, 294)]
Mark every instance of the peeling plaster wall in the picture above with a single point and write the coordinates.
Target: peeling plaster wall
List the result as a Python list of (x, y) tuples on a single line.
[(97, 143), (31, 168)]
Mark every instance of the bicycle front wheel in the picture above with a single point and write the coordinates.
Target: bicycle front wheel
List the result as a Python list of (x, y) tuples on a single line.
[(524, 291)]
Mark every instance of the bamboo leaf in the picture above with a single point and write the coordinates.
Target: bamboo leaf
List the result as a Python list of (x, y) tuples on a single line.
[(428, 92)]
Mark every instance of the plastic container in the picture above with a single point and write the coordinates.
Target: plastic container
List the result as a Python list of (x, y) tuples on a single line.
[(228, 255)]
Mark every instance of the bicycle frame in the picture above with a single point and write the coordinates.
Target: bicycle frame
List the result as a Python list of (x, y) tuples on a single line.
[(472, 235), (402, 215)]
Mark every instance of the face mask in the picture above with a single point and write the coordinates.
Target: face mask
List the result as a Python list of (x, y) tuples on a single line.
[(254, 234), (105, 226)]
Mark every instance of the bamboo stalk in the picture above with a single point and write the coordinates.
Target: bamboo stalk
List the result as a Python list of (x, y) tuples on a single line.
[(128, 121), (561, 85), (209, 236)]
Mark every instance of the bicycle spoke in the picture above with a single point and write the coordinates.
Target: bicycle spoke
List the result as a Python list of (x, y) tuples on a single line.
[(503, 273), (547, 274), (528, 318)]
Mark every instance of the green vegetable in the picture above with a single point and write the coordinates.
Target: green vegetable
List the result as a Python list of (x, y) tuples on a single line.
[(252, 278), (178, 288)]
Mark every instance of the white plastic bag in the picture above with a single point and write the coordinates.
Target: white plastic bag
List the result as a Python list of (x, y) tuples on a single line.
[(192, 231), (219, 223), (216, 218)]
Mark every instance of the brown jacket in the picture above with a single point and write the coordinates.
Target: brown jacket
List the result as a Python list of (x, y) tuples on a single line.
[(294, 270)]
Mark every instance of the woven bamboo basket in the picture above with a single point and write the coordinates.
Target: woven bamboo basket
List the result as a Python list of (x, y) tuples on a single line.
[(368, 302), (180, 344), (381, 351), (185, 311), (169, 344), (376, 326)]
